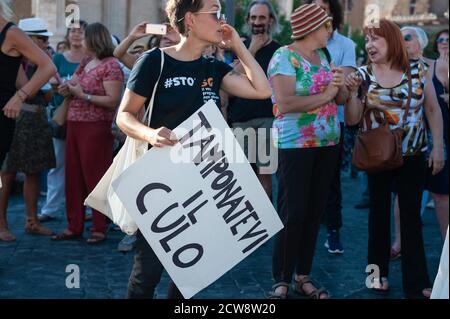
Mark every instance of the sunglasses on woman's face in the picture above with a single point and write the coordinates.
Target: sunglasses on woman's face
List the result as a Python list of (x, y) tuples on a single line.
[(408, 37), (442, 40), (216, 14)]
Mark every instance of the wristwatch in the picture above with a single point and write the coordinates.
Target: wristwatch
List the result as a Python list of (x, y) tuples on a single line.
[(353, 96), (88, 97)]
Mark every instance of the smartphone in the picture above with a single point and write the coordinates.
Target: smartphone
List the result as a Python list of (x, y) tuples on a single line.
[(156, 29)]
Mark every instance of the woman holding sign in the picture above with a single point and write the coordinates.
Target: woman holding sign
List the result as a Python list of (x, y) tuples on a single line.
[(180, 93)]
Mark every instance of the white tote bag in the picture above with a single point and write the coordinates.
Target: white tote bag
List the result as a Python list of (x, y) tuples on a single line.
[(103, 198), (440, 288)]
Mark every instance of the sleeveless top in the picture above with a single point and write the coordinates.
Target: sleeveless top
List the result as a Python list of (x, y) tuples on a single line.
[(9, 67), (390, 104), (439, 88)]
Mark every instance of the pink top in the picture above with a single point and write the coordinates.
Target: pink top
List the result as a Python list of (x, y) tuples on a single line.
[(92, 83)]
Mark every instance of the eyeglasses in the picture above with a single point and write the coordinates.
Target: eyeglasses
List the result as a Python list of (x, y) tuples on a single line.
[(408, 37), (218, 16), (329, 26), (442, 40)]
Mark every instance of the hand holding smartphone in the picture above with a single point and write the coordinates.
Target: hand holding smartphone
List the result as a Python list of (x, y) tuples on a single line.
[(55, 82), (160, 29)]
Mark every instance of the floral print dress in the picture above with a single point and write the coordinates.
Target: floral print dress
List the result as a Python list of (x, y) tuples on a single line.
[(316, 128)]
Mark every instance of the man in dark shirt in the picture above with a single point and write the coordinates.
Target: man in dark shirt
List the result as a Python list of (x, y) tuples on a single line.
[(252, 119)]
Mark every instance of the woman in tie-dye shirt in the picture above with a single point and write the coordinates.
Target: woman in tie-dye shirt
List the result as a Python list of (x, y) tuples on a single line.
[(316, 127)]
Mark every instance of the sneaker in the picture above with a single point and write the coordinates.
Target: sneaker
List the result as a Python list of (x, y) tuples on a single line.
[(127, 243), (333, 244)]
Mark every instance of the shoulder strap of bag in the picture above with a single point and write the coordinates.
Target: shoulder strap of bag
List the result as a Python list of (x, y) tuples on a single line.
[(410, 89), (149, 111), (327, 54), (365, 85), (365, 88)]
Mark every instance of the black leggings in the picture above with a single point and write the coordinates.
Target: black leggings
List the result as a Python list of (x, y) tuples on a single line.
[(146, 273), (304, 177), (333, 211), (409, 179), (7, 126)]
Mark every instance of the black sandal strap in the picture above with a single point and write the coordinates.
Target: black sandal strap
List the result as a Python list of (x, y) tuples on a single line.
[(318, 292), (300, 283), (280, 284)]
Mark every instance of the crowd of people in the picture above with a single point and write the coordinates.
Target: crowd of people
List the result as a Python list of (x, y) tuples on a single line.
[(301, 97)]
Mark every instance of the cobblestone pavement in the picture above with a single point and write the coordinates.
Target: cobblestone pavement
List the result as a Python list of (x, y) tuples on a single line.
[(35, 267)]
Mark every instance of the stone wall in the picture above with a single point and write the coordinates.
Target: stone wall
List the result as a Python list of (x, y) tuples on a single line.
[(119, 16), (439, 7), (403, 7), (21, 9)]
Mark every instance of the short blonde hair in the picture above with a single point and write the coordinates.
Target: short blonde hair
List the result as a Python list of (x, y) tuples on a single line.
[(5, 11)]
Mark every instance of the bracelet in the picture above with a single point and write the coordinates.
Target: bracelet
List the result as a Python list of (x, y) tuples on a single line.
[(352, 96), (20, 98), (23, 91)]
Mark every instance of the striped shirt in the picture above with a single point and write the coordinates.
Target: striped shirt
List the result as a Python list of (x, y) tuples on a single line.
[(390, 103)]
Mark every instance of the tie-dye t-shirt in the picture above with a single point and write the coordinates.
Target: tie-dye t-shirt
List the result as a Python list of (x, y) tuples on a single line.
[(390, 103), (316, 128)]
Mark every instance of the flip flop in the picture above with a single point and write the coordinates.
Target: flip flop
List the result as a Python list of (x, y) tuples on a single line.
[(7, 236), (96, 238), (65, 236)]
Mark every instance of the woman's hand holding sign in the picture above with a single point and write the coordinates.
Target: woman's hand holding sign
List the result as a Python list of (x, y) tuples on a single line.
[(162, 137)]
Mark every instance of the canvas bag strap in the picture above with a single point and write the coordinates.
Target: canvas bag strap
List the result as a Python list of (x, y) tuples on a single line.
[(148, 112), (408, 103)]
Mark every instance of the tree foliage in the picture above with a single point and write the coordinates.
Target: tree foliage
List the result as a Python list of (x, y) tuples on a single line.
[(282, 37)]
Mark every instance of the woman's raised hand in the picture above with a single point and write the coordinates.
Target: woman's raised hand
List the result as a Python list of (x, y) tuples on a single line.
[(231, 39), (139, 31)]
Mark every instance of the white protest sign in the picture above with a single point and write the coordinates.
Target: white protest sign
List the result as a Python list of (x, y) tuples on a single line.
[(198, 204)]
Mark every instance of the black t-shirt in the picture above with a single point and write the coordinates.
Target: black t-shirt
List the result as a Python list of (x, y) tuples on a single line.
[(243, 110), (183, 88)]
